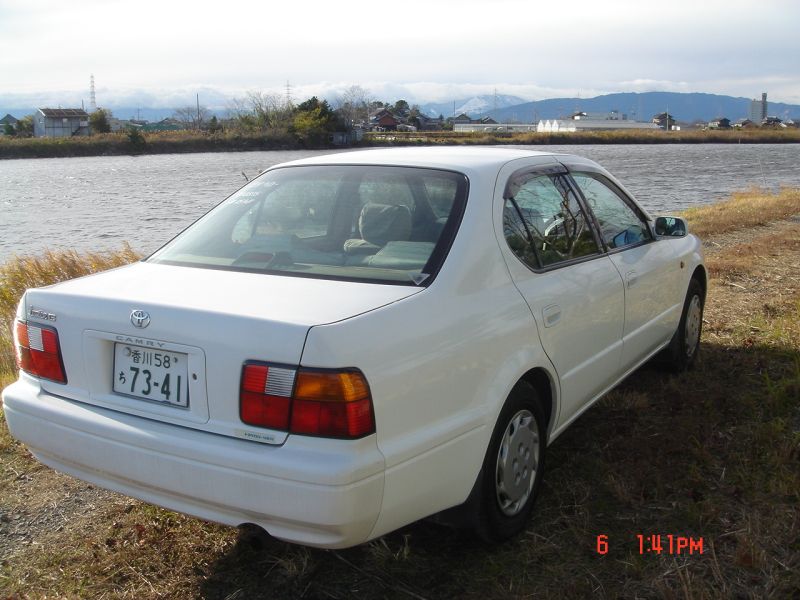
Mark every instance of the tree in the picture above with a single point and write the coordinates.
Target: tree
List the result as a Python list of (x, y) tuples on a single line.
[(136, 138), (25, 126), (313, 121), (98, 121), (8, 129), (401, 108), (213, 125), (191, 116), (311, 126), (259, 111), (354, 106)]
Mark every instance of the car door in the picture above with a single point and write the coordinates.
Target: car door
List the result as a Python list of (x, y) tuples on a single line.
[(571, 286), (649, 269)]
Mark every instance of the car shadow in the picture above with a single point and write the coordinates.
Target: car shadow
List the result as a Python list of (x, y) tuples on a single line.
[(649, 457)]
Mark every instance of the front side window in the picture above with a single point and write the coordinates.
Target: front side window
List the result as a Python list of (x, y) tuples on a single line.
[(384, 224), (620, 225), (544, 224)]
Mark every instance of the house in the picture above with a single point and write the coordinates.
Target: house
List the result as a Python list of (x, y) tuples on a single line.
[(665, 121), (772, 122), (9, 121), (383, 120), (462, 118), (720, 123), (426, 123), (743, 123), (60, 122)]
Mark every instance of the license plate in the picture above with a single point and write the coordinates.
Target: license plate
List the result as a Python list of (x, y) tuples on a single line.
[(150, 374)]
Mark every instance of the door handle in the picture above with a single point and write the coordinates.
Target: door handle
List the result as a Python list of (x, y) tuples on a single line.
[(551, 315), (631, 278)]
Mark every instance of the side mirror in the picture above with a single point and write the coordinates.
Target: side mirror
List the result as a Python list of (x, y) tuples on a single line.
[(671, 227)]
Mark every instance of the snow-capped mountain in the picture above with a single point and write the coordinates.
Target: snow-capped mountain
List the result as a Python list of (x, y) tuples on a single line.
[(474, 107)]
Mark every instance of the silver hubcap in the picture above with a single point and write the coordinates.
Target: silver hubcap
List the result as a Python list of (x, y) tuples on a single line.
[(517, 461), (694, 318)]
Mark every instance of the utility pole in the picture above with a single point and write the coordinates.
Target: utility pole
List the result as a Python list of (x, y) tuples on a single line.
[(198, 111), (288, 94)]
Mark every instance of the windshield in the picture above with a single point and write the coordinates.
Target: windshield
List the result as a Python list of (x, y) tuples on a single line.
[(384, 224)]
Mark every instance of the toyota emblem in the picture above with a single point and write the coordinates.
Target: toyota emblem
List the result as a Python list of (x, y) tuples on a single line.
[(140, 318)]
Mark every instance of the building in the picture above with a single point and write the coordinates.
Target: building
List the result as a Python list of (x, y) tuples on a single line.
[(598, 116), (60, 122), (573, 125), (8, 120), (478, 126), (383, 120), (665, 121), (758, 109), (720, 123)]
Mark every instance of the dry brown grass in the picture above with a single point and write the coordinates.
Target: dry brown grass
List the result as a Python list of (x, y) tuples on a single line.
[(22, 272), (742, 211)]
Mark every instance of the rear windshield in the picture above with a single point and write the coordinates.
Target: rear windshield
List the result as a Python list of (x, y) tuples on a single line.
[(379, 224)]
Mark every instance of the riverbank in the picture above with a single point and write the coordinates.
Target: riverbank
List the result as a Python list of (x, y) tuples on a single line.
[(712, 454), (178, 142)]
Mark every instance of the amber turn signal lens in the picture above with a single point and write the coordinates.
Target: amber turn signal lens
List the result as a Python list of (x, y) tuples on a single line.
[(330, 386)]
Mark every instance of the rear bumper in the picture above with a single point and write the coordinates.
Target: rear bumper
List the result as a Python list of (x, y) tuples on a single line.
[(311, 491)]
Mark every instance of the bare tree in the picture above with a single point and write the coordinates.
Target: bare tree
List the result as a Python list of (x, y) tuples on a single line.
[(191, 116), (259, 111), (353, 105)]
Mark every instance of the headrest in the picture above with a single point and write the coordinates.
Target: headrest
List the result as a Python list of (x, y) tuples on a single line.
[(381, 223)]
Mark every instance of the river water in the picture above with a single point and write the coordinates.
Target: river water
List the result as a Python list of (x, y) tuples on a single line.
[(98, 203)]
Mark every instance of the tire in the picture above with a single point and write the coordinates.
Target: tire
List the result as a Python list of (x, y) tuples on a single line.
[(509, 481), (684, 347)]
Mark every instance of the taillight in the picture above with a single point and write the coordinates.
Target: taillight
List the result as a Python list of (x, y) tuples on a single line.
[(38, 351), (322, 402), (265, 395)]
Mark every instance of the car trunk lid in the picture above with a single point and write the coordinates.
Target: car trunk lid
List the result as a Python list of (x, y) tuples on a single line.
[(205, 323)]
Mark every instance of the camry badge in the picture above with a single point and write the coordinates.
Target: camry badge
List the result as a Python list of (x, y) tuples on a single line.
[(140, 318)]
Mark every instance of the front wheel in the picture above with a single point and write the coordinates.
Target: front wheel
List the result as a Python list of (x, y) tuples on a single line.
[(512, 468)]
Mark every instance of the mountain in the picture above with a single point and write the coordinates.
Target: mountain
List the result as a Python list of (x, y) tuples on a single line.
[(639, 106), (643, 106), (475, 106)]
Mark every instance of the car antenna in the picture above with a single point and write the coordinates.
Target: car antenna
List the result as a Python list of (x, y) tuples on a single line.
[(246, 178)]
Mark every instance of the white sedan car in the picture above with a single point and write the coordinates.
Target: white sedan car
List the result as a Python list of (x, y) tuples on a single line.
[(353, 342)]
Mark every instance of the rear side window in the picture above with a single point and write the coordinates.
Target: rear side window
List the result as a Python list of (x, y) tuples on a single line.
[(544, 223), (620, 224)]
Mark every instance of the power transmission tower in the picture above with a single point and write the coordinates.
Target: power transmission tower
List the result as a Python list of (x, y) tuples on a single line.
[(288, 93), (92, 97)]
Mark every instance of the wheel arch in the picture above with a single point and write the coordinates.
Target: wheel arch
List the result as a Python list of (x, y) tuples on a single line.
[(541, 380), (701, 275)]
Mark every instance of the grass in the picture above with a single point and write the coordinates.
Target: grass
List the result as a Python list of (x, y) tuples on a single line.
[(713, 453), (742, 211), (23, 272), (165, 142)]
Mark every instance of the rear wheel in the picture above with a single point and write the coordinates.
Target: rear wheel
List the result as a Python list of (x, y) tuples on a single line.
[(685, 345), (512, 468)]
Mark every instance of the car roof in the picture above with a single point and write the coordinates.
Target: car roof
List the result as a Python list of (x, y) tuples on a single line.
[(438, 157)]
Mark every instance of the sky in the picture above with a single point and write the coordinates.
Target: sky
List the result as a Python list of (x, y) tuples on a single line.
[(161, 53)]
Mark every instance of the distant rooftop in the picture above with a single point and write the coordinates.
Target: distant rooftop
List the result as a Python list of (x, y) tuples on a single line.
[(59, 113)]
